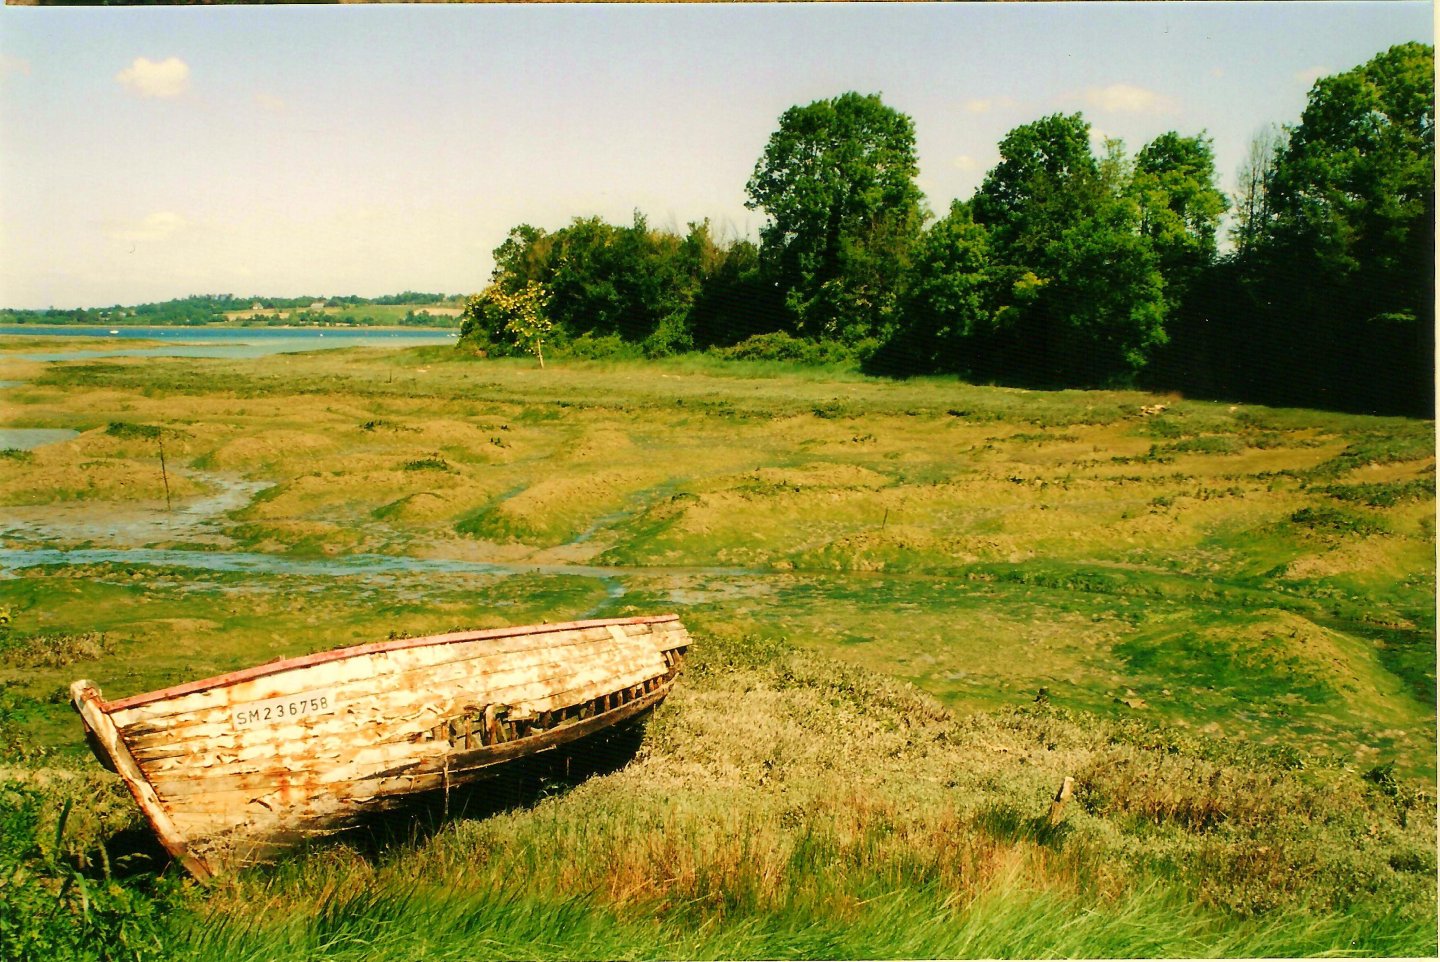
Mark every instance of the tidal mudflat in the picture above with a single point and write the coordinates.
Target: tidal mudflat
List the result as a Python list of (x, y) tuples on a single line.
[(977, 591)]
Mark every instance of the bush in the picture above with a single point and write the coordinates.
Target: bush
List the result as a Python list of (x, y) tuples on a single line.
[(604, 347), (128, 432), (1383, 494), (54, 650), (779, 346), (433, 463), (1334, 519), (671, 336)]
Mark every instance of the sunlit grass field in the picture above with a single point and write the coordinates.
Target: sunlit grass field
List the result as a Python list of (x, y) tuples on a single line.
[(918, 606)]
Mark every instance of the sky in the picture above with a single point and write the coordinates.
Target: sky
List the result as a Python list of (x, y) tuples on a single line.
[(155, 152)]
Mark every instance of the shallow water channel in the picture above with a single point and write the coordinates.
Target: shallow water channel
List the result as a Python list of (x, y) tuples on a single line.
[(137, 534), (27, 439), (222, 342)]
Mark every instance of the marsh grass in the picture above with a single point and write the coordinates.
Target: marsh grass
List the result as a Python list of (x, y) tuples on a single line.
[(848, 816), (1230, 612), (53, 650)]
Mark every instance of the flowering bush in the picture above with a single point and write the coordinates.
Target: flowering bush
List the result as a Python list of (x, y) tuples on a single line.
[(508, 322)]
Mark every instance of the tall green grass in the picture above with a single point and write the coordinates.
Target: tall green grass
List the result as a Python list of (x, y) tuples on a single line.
[(1005, 921), (784, 805)]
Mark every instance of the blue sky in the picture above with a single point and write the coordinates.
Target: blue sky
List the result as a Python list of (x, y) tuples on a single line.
[(149, 153)]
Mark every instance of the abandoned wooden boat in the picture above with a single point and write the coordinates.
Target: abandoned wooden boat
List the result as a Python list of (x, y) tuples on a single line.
[(232, 769)]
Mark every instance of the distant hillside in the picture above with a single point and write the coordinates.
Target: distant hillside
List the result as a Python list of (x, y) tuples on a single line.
[(408, 308)]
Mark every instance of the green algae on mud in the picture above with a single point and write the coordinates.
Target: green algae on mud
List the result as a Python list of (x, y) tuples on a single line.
[(1218, 619), (981, 542)]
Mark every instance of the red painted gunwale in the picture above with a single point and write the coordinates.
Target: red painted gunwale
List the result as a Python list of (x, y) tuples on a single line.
[(372, 648)]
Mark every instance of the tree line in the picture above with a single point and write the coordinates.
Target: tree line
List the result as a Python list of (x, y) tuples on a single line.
[(200, 309), (1067, 267)]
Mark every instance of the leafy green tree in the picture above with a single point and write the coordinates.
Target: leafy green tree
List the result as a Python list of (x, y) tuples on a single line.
[(1355, 183), (524, 256), (1180, 207), (949, 302), (1328, 298), (837, 179), (736, 300), (1080, 292), (1030, 192)]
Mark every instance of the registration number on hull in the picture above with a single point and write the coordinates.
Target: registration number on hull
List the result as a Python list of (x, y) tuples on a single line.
[(273, 711)]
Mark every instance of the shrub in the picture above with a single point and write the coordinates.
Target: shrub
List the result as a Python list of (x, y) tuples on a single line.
[(602, 347), (54, 650), (433, 463), (130, 432), (1383, 495), (779, 346), (52, 911), (1337, 520), (671, 336)]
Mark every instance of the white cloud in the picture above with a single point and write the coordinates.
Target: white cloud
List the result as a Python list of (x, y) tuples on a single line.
[(156, 226), (11, 66), (966, 162), (271, 103), (1127, 99), (983, 105), (1312, 74), (1217, 72), (148, 78)]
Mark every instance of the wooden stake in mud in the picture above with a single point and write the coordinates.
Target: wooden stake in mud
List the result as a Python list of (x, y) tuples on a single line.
[(160, 440), (1057, 806)]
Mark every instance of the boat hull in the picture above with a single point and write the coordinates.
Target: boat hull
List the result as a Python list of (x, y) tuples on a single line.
[(233, 769)]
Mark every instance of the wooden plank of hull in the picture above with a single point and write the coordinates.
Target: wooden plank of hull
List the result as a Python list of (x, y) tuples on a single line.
[(220, 796), (86, 698), (225, 840), (368, 667), (481, 673), (413, 709), (180, 790), (177, 695)]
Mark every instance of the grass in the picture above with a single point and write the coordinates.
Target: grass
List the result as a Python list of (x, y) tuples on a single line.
[(919, 606), (846, 802)]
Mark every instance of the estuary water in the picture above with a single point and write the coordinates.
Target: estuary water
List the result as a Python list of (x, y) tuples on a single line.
[(224, 342), (25, 531)]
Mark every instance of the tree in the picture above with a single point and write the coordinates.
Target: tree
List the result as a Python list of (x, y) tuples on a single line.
[(1339, 275), (735, 300), (1029, 192), (1356, 181), (949, 302), (837, 179), (1180, 207), (1252, 197), (508, 322), (524, 256), (1080, 296)]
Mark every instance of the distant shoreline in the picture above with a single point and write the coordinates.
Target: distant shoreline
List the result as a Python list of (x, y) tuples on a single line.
[(227, 326)]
